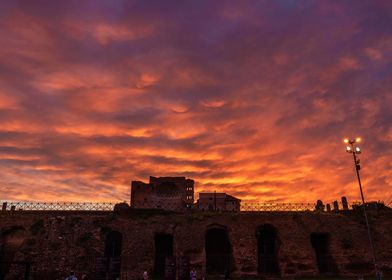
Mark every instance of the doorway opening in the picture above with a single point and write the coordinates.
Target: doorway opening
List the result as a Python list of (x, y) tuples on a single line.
[(320, 243), (267, 250), (11, 239), (219, 257), (109, 267), (163, 250)]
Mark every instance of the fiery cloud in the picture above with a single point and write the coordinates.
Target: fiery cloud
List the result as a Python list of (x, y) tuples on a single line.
[(251, 98)]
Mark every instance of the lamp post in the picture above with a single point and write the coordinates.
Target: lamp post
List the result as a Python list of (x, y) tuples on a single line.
[(353, 148)]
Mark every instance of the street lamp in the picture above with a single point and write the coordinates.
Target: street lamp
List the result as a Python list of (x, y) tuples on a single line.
[(353, 148)]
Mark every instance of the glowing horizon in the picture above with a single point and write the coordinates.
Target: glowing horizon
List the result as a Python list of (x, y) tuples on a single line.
[(253, 99)]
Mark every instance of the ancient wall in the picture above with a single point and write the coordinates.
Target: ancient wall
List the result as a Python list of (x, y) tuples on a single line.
[(58, 242)]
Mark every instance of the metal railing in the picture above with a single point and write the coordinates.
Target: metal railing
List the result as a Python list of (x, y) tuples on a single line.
[(268, 207), (245, 206), (56, 206)]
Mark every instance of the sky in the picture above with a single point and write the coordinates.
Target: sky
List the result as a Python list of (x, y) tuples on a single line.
[(252, 98)]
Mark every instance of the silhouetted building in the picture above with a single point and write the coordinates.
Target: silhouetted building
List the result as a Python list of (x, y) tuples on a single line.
[(218, 202), (169, 193)]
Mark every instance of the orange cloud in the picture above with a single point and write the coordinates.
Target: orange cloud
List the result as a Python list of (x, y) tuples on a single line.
[(249, 100)]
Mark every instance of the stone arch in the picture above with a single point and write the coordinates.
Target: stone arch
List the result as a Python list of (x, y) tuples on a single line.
[(168, 189), (11, 239), (267, 250), (218, 249)]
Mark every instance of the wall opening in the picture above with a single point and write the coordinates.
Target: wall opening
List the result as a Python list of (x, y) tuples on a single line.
[(163, 250), (113, 244), (320, 243), (109, 268), (219, 258), (267, 250), (11, 239)]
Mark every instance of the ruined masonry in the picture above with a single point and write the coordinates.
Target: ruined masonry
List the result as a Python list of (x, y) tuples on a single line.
[(122, 244)]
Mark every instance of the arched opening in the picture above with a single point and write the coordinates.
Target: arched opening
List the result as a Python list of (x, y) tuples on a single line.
[(267, 250), (320, 244), (219, 258), (163, 251), (111, 269), (11, 240), (168, 189)]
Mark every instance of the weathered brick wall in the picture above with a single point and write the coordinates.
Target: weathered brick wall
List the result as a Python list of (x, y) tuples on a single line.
[(58, 242)]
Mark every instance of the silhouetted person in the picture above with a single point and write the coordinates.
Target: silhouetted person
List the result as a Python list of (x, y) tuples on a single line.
[(380, 274)]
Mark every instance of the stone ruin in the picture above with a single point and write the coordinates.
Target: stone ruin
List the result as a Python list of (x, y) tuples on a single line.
[(123, 243)]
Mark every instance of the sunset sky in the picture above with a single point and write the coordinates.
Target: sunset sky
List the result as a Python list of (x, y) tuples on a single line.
[(252, 98)]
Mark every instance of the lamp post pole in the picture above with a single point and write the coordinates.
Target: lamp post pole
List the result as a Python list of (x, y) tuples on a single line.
[(356, 150)]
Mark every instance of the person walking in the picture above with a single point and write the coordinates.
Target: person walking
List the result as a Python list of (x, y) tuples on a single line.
[(145, 275), (71, 276), (193, 274)]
